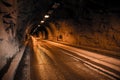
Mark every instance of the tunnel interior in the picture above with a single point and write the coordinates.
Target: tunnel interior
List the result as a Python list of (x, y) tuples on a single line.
[(92, 25), (80, 22)]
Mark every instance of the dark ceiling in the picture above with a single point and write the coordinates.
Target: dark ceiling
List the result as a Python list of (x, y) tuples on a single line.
[(34, 10)]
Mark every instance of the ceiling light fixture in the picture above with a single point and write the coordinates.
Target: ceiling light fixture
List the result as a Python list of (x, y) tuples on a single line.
[(38, 25), (42, 21), (46, 16)]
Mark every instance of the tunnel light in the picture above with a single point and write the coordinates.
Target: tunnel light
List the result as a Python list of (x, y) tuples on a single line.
[(56, 5), (38, 25), (42, 21), (46, 16)]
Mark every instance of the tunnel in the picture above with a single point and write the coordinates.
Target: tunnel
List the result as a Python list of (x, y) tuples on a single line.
[(59, 40)]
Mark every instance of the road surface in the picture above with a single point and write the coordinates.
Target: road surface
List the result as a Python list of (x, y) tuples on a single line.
[(49, 62)]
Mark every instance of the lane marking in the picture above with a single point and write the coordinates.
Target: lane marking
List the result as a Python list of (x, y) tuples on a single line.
[(90, 65), (93, 59), (76, 58)]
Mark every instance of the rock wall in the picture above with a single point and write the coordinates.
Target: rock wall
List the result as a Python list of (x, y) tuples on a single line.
[(8, 43), (102, 31)]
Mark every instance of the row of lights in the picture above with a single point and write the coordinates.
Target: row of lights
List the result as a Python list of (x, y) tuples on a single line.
[(55, 6), (42, 21)]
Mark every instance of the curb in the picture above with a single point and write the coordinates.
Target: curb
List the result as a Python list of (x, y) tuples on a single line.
[(13, 66)]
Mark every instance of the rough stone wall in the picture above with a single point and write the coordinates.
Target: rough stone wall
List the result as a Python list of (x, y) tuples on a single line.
[(25, 10), (8, 42), (102, 31)]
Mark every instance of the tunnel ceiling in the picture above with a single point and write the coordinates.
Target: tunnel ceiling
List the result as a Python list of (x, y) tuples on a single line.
[(32, 11)]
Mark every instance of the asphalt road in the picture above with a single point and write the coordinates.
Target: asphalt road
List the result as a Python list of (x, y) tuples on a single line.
[(49, 62)]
